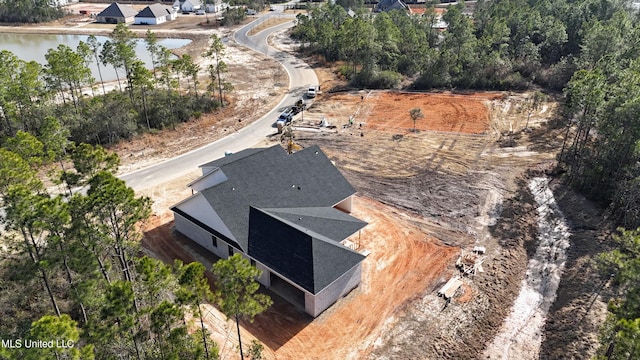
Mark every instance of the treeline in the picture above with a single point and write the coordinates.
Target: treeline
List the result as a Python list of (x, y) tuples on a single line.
[(620, 333), (31, 11), (503, 45), (72, 272), (488, 51), (589, 48), (143, 99), (601, 148)]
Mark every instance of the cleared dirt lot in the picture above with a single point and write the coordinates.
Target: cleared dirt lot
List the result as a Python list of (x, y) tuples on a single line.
[(465, 114), (426, 195)]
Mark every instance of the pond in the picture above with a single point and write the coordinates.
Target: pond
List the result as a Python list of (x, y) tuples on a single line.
[(30, 47)]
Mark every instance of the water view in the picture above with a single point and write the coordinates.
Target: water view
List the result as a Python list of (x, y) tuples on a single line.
[(30, 47)]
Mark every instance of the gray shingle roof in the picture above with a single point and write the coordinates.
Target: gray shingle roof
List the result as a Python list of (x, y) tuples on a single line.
[(118, 10), (388, 5), (279, 208), (273, 179), (231, 158), (154, 11), (303, 256), (327, 221)]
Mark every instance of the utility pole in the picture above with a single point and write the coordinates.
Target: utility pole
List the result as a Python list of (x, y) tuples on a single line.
[(238, 327)]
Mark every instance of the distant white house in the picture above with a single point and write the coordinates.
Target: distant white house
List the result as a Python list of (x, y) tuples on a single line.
[(210, 8), (188, 5), (155, 14), (56, 3)]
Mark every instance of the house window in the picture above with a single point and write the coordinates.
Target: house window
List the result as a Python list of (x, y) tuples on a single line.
[(214, 241), (230, 249)]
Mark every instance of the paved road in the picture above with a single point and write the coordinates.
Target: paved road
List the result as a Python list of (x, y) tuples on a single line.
[(301, 76)]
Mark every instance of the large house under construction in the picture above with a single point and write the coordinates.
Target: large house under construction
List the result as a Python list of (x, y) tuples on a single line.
[(288, 214)]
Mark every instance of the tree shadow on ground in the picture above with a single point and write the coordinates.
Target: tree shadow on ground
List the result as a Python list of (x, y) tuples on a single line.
[(274, 327), (577, 313)]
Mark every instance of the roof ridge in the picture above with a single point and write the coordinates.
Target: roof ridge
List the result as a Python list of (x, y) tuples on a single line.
[(313, 234), (349, 217)]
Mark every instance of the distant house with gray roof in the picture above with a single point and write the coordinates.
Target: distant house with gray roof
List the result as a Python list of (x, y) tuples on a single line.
[(288, 214), (389, 5), (155, 14), (188, 5), (117, 13)]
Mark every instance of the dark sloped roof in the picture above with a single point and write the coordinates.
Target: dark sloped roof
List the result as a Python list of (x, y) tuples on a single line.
[(273, 179), (329, 222), (388, 5), (279, 208), (233, 157), (154, 11), (118, 10), (305, 257)]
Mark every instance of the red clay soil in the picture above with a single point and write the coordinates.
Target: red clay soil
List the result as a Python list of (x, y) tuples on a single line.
[(442, 112), (404, 262)]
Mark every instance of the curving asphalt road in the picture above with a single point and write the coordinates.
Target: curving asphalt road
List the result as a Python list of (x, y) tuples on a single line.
[(301, 76)]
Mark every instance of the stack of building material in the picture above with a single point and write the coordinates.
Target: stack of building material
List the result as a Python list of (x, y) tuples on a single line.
[(449, 289)]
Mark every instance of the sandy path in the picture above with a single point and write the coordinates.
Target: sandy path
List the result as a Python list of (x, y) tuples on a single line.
[(521, 334)]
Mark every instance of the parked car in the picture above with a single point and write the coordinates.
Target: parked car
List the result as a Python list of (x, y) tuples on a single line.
[(200, 12), (251, 12), (311, 93)]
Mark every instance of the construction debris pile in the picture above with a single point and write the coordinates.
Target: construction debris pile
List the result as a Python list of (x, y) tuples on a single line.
[(470, 263)]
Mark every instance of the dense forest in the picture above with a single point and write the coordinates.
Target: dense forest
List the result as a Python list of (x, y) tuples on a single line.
[(588, 49), (32, 11), (144, 100)]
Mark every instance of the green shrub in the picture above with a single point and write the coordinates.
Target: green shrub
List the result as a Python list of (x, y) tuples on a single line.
[(378, 80)]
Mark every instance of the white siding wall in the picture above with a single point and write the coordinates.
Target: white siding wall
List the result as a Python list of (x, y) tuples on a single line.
[(264, 278), (149, 21), (211, 179), (198, 207), (190, 6), (199, 235), (315, 305), (203, 238)]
